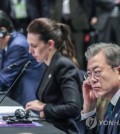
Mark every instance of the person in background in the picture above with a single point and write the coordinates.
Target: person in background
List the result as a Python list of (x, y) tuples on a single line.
[(72, 13), (102, 81), (14, 56), (21, 12), (106, 19), (59, 93)]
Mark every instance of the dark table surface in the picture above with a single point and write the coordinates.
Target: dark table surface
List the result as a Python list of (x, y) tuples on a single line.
[(47, 128)]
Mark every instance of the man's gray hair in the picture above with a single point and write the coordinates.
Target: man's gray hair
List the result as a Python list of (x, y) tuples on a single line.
[(111, 51)]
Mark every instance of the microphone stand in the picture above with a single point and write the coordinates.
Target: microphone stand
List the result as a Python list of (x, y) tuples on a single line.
[(22, 71)]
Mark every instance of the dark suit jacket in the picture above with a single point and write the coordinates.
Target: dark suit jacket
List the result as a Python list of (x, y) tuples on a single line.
[(37, 8), (79, 19), (105, 127), (17, 52), (60, 89)]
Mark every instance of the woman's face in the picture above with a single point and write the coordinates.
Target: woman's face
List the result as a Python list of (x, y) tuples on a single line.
[(38, 48)]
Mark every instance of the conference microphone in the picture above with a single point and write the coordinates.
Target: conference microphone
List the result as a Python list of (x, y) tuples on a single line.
[(11, 66), (22, 71)]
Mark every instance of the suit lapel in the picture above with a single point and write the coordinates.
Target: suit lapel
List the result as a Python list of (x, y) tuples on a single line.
[(115, 115), (116, 110), (45, 80), (47, 76), (108, 129), (4, 54)]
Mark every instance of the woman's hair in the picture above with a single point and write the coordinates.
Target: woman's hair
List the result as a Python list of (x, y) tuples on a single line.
[(6, 22), (110, 50), (49, 29)]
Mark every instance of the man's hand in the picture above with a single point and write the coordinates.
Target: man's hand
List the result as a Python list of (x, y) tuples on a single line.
[(89, 97)]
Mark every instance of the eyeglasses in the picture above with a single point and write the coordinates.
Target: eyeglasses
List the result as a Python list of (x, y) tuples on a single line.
[(89, 75), (95, 74)]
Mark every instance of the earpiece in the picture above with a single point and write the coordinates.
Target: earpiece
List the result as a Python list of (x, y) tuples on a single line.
[(3, 33), (21, 114)]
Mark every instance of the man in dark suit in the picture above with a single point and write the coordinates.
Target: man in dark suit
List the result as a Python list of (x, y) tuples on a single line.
[(102, 81), (14, 56), (106, 20)]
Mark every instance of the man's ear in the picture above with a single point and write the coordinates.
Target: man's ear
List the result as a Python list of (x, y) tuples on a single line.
[(3, 33), (118, 68)]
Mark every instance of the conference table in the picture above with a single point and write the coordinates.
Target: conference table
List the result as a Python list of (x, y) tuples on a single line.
[(46, 127)]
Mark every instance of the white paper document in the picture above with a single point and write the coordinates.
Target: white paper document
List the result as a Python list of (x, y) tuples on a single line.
[(9, 109)]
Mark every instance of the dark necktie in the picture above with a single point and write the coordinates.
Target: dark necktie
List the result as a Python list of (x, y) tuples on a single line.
[(107, 117), (109, 110)]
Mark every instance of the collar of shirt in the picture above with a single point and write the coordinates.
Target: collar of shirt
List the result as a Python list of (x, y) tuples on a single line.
[(66, 7), (115, 98)]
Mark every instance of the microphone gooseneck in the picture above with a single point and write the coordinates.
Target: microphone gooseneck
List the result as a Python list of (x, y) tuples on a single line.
[(23, 69), (27, 64)]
